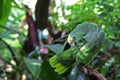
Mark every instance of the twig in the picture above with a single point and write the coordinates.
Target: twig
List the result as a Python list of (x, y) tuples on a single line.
[(95, 73), (12, 53)]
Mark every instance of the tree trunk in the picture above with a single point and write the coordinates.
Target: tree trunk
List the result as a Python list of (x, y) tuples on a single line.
[(41, 13)]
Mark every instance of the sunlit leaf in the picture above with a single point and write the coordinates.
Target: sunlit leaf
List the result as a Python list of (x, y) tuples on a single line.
[(5, 53), (14, 43), (5, 10)]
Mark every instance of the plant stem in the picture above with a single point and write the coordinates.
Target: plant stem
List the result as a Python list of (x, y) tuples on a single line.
[(10, 49)]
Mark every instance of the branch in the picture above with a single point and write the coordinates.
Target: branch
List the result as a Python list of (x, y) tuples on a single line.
[(94, 72)]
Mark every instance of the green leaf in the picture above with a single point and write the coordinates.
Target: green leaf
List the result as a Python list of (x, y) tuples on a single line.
[(109, 8), (14, 43), (33, 66), (117, 44), (104, 70), (5, 53), (5, 6), (56, 48), (118, 76), (102, 15), (1, 6)]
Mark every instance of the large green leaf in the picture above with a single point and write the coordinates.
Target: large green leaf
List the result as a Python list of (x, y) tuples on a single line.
[(5, 7), (5, 10), (1, 6), (33, 66)]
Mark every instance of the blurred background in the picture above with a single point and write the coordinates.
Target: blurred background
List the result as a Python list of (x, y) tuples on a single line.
[(32, 31)]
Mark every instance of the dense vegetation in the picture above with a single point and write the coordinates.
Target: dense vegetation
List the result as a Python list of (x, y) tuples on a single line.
[(29, 38)]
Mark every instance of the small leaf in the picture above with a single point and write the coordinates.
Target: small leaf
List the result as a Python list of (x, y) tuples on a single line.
[(102, 15), (109, 8), (117, 44), (56, 48)]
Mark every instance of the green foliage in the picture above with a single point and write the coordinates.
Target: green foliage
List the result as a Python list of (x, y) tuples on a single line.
[(75, 14), (64, 17), (80, 12)]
